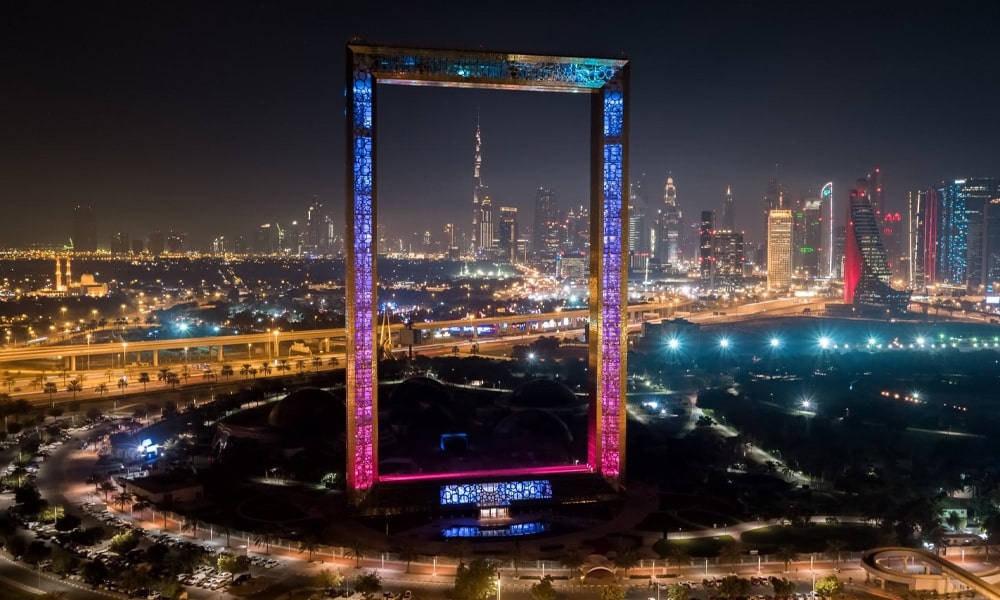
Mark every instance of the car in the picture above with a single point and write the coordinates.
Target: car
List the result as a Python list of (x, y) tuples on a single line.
[(407, 595)]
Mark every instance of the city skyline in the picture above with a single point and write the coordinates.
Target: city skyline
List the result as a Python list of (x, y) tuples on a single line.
[(215, 122)]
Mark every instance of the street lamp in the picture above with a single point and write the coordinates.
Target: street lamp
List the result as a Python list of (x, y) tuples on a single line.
[(88, 350), (124, 346), (249, 354), (276, 352)]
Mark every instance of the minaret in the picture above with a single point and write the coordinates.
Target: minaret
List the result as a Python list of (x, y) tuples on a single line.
[(58, 275), (728, 216), (69, 275), (477, 187)]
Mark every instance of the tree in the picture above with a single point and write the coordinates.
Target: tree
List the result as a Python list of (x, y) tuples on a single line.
[(309, 544), (123, 385), (228, 563), (829, 586), (625, 558), (245, 370), (124, 542), (101, 389), (107, 487), (572, 559), (226, 371), (333, 362), (678, 592), (369, 583), (50, 388), (144, 379), (162, 375), (327, 579), (732, 587), (74, 386), (786, 554), (678, 555), (264, 369), (265, 538), (94, 573), (357, 551), (730, 553), (407, 553), (612, 592), (833, 548), (476, 580), (783, 588), (122, 499), (543, 590), (191, 524), (954, 521), (317, 362)]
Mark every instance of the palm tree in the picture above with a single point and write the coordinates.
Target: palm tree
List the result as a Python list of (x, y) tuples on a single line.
[(226, 371), (264, 538), (162, 375), (676, 553), (317, 362), (283, 366), (626, 558), (516, 554), (833, 548), (245, 370), (309, 544), (408, 553), (122, 384), (265, 369), (190, 524), (730, 553), (6, 408), (333, 362), (122, 499), (101, 388), (300, 364), (141, 505), (173, 379), (107, 487), (786, 554), (226, 529), (356, 551), (50, 388), (143, 379), (74, 386)]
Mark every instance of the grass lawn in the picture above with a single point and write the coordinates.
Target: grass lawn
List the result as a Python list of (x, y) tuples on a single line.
[(810, 538), (704, 547)]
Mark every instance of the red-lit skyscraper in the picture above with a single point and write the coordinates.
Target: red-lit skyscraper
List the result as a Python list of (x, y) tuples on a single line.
[(866, 267)]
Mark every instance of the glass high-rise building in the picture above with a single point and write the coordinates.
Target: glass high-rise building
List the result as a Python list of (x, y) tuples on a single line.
[(705, 231), (84, 229), (866, 266), (960, 231), (727, 260), (779, 249), (507, 234), (548, 230)]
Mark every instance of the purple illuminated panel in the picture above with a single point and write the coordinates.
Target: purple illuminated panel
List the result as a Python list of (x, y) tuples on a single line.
[(611, 332), (361, 377)]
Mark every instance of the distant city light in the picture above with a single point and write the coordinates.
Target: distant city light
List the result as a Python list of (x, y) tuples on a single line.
[(674, 344), (724, 343), (824, 342), (775, 342)]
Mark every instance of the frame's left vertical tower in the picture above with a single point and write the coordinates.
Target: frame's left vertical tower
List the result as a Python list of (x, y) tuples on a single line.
[(362, 417)]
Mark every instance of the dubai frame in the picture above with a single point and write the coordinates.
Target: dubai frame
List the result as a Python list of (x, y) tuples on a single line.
[(606, 80)]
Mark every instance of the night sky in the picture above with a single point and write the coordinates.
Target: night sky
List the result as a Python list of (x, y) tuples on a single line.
[(211, 118)]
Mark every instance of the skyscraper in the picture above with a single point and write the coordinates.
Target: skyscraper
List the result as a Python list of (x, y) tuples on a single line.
[(991, 248), (638, 228), (727, 260), (961, 231), (829, 247), (479, 193), (157, 243), (866, 266), (728, 211), (507, 234), (705, 258), (84, 229), (485, 224), (779, 249), (548, 226), (670, 227), (808, 238), (120, 243)]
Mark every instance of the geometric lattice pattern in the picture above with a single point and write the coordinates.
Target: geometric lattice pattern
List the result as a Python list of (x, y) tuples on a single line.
[(495, 494), (606, 80)]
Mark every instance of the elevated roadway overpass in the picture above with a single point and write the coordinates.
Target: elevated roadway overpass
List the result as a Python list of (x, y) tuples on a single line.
[(235, 347), (919, 569)]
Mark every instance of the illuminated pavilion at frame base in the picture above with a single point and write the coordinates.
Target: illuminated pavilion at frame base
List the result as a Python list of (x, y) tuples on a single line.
[(606, 82)]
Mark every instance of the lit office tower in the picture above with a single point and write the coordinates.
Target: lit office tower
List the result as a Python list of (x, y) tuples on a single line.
[(638, 228), (808, 238), (120, 244), (705, 230), (577, 227), (479, 193), (779, 249), (827, 255), (670, 227), (991, 248), (486, 224), (728, 211), (84, 229), (961, 231), (507, 234), (892, 236), (866, 267), (547, 233), (727, 260), (318, 231)]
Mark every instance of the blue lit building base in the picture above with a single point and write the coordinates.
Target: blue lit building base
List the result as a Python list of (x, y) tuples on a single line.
[(511, 530)]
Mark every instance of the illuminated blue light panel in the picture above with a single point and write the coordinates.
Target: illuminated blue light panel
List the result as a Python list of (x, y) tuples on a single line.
[(495, 494)]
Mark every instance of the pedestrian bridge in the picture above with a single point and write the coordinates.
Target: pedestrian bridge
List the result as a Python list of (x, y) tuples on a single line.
[(919, 569)]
